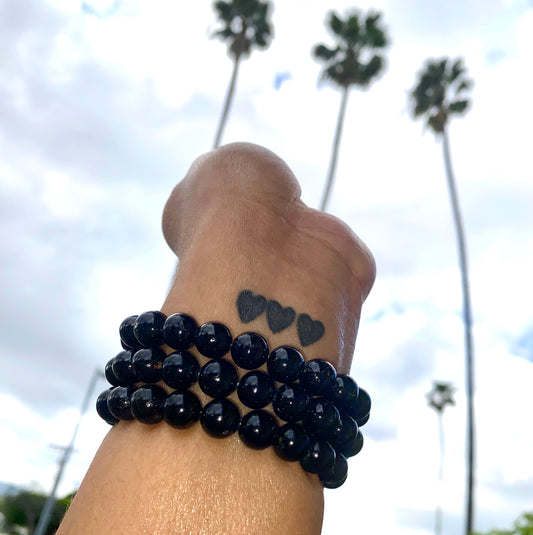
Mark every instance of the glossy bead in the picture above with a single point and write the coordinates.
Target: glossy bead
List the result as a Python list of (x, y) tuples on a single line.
[(363, 421), (180, 370), (181, 410), (148, 328), (119, 402), (147, 364), (103, 410), (218, 378), (290, 402), (127, 337), (321, 417), (343, 390), (147, 404), (320, 457), (317, 376), (290, 442), (346, 431), (213, 340), (179, 331), (220, 418), (249, 351), (257, 429), (336, 476), (284, 364), (359, 408), (123, 368), (256, 389), (112, 379), (349, 448)]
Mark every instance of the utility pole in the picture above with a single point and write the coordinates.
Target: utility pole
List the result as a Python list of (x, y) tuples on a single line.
[(44, 518)]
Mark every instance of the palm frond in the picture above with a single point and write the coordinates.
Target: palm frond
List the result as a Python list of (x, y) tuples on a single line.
[(224, 10), (372, 69), (335, 24), (375, 35), (456, 71), (458, 107), (323, 52)]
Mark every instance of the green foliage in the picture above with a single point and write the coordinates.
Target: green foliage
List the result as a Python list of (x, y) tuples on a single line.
[(440, 396), (522, 526), (23, 510), (245, 24), (357, 56), (440, 92)]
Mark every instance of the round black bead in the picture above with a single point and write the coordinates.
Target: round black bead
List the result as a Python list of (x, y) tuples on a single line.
[(148, 328), (256, 389), (182, 410), (320, 457), (363, 421), (336, 476), (147, 404), (147, 364), (119, 402), (103, 410), (112, 379), (213, 340), (321, 417), (349, 448), (360, 407), (123, 368), (257, 429), (284, 364), (343, 390), (317, 376), (290, 402), (127, 336), (179, 331), (220, 418), (249, 351), (346, 431), (180, 370), (290, 442), (218, 378)]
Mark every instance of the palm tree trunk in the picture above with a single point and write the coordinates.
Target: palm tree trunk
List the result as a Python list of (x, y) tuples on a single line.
[(335, 150), (467, 320), (227, 102), (438, 509)]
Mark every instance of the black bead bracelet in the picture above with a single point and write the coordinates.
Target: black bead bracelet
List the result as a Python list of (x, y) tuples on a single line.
[(318, 413)]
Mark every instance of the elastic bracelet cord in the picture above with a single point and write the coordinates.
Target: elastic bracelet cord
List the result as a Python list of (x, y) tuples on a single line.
[(318, 412)]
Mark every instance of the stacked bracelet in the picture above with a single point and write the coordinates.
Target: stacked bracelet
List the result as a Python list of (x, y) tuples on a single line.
[(319, 412)]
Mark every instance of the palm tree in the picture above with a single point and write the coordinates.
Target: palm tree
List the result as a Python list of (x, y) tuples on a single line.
[(354, 60), (440, 396), (440, 94), (245, 25)]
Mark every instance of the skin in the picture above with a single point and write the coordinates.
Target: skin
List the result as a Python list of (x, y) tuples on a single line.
[(236, 222)]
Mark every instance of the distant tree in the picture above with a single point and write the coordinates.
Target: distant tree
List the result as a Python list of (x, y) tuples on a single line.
[(439, 94), (245, 25), (355, 60), (522, 526), (22, 510), (440, 396)]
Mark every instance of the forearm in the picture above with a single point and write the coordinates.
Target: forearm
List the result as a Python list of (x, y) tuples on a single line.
[(251, 233)]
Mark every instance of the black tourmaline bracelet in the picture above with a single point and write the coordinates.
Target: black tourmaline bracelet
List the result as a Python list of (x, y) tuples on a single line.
[(321, 411)]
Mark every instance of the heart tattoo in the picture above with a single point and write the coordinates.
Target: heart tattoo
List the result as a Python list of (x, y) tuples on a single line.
[(250, 306), (309, 331), (279, 318)]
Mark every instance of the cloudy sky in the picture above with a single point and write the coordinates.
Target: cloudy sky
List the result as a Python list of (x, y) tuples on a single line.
[(103, 106)]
